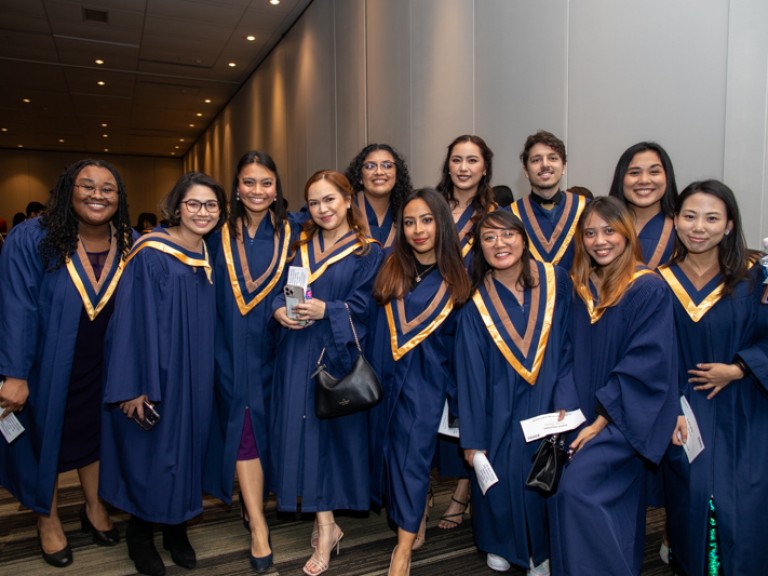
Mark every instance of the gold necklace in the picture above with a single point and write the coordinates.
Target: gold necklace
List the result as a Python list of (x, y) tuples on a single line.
[(419, 276)]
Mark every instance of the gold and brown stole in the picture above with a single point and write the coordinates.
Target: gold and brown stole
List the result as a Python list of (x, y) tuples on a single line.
[(248, 291), (666, 233), (406, 334), (551, 249), (164, 243), (361, 203), (317, 260), (524, 352), (680, 285), (95, 293), (595, 315)]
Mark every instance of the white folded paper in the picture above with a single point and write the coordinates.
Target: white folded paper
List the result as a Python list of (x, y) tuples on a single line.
[(695, 443), (546, 424), (444, 428), (10, 427), (486, 477)]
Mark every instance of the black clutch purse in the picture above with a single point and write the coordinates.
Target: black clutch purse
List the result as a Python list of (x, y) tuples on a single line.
[(548, 463), (358, 390)]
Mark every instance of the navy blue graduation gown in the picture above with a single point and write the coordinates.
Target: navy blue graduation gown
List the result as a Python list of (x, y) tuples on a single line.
[(40, 314), (248, 274), (550, 232), (411, 352), (733, 468), (506, 373), (324, 462), (657, 240), (627, 361), (160, 343), (384, 233)]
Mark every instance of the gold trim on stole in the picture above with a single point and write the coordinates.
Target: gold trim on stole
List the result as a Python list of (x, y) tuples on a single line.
[(251, 285), (157, 240), (343, 252), (594, 315), (539, 234), (526, 340), (90, 309), (695, 312), (399, 351)]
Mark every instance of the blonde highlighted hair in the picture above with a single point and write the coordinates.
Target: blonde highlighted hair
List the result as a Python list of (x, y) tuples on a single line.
[(616, 276)]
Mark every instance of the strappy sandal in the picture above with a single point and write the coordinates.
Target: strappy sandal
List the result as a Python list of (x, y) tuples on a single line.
[(450, 517), (318, 562)]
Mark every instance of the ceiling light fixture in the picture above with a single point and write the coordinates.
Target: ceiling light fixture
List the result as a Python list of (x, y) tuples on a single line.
[(103, 124), (26, 100), (199, 114), (191, 125), (101, 83), (250, 37), (105, 135), (274, 2), (99, 61), (61, 140), (207, 100), (231, 64)]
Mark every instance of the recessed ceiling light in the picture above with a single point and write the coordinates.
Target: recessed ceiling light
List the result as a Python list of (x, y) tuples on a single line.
[(26, 100), (177, 147), (61, 140), (207, 100), (4, 129), (101, 83), (106, 149), (173, 153), (191, 125), (231, 64), (250, 37), (105, 135), (199, 114), (20, 146), (181, 139), (103, 124), (99, 61), (274, 2)]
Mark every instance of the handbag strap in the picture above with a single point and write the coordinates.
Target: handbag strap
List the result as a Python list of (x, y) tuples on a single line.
[(354, 333)]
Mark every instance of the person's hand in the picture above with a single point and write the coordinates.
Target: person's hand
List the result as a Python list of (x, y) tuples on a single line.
[(587, 433), (129, 407), (312, 309), (469, 455), (13, 395), (680, 435), (560, 415), (281, 315), (714, 376)]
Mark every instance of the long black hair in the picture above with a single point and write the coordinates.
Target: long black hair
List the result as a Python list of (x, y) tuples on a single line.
[(236, 208), (61, 222), (670, 194)]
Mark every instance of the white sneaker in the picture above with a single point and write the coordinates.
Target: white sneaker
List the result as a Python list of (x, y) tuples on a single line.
[(664, 553), (497, 563), (540, 570)]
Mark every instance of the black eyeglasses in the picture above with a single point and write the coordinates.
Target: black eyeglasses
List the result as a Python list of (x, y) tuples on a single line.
[(88, 189), (385, 165), (211, 206)]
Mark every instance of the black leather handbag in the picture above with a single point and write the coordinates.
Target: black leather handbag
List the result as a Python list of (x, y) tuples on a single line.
[(358, 390), (548, 462)]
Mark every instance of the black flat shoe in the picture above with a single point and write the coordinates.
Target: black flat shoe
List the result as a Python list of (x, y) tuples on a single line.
[(108, 538), (176, 542), (60, 559)]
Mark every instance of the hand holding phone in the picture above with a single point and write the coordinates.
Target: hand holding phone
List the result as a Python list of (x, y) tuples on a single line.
[(151, 416), (293, 295)]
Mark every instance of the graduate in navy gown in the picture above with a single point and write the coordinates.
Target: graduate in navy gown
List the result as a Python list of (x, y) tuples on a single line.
[(321, 465), (420, 284), (380, 181), (645, 180), (548, 213), (249, 257), (58, 277), (716, 504), (512, 352), (465, 182), (625, 362), (160, 349)]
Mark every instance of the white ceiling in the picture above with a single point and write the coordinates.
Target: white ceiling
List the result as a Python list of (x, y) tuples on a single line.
[(162, 59)]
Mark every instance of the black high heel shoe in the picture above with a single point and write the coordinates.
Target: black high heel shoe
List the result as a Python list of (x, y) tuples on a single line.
[(60, 559), (108, 538), (262, 563)]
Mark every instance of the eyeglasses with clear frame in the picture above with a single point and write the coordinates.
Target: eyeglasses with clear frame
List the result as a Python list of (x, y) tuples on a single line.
[(507, 236), (385, 166), (89, 189), (211, 206)]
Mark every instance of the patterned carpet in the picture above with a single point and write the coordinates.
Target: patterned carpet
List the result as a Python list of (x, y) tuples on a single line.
[(221, 543)]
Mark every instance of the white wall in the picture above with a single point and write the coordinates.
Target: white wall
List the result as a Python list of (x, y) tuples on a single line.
[(601, 74)]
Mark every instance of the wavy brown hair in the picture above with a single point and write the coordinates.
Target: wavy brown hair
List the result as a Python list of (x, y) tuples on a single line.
[(617, 276), (398, 272), (355, 218), (61, 222)]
